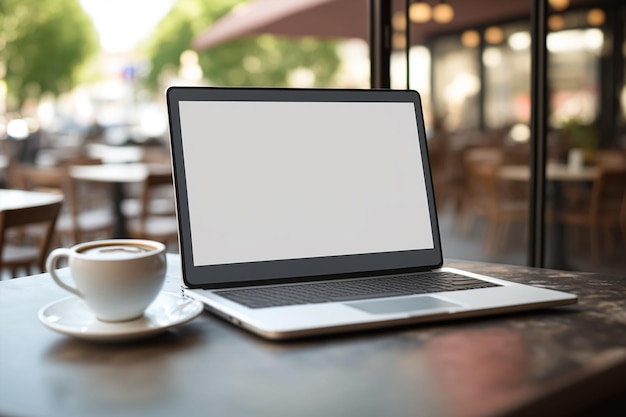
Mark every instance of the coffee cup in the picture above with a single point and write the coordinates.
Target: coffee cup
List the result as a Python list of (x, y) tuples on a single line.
[(575, 159), (116, 278)]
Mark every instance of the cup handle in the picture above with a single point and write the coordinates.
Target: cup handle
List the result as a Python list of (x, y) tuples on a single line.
[(51, 266)]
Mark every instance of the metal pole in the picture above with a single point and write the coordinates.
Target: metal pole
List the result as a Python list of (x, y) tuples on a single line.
[(612, 74), (538, 118), (407, 37), (380, 43)]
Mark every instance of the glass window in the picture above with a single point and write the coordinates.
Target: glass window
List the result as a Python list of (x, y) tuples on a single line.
[(456, 84), (506, 61), (419, 62), (574, 61)]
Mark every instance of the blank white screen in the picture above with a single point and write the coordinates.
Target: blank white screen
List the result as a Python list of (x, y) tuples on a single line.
[(291, 180)]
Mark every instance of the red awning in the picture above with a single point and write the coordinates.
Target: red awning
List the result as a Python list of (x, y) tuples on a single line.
[(349, 19), (318, 18)]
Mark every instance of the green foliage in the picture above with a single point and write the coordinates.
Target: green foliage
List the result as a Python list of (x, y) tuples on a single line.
[(580, 134), (254, 61), (176, 31), (268, 60), (45, 42)]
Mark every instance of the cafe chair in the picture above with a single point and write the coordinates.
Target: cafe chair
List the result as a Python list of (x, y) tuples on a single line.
[(161, 195), (87, 212), (157, 216), (603, 216), (615, 158), (25, 250), (91, 208), (501, 204), (471, 203)]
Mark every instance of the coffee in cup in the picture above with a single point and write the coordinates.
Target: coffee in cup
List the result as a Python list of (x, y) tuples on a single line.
[(117, 278)]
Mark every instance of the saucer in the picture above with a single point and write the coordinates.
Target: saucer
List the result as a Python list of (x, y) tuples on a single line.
[(71, 316)]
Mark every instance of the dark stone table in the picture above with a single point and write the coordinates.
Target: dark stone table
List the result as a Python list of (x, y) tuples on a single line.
[(565, 361)]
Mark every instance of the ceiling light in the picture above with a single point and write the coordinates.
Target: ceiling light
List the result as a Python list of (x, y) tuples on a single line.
[(470, 39), (398, 40), (559, 5), (443, 12), (556, 22), (399, 21), (494, 35), (596, 17), (420, 12)]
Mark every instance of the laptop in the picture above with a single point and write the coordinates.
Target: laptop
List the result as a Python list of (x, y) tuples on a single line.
[(305, 212)]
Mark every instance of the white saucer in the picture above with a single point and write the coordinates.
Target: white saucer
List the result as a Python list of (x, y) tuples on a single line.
[(70, 316)]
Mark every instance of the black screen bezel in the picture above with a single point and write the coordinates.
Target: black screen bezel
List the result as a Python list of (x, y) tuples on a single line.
[(293, 270)]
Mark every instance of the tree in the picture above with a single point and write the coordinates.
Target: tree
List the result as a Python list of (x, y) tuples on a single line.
[(259, 61), (45, 43)]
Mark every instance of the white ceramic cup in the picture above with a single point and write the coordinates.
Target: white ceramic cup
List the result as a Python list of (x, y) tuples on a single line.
[(117, 278), (575, 160)]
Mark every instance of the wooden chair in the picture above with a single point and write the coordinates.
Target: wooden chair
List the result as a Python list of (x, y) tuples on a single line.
[(500, 203), (157, 221), (31, 254), (605, 213), (470, 198), (610, 158), (91, 213), (87, 212), (160, 198)]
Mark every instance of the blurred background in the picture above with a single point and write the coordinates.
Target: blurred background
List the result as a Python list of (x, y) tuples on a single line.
[(80, 76)]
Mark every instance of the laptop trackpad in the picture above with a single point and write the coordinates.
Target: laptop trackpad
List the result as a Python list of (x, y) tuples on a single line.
[(400, 305)]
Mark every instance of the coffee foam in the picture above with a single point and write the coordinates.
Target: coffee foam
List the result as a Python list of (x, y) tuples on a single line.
[(116, 251)]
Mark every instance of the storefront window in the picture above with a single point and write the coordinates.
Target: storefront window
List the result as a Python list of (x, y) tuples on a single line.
[(506, 61), (456, 84), (574, 60)]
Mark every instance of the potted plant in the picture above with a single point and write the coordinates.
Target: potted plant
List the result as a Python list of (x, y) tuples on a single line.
[(582, 136)]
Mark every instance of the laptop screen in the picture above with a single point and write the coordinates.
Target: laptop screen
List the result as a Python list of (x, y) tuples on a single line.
[(285, 184)]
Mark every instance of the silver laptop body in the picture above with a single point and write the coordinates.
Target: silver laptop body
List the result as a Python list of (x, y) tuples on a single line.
[(311, 211)]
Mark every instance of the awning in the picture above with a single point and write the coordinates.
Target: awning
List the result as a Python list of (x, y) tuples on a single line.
[(349, 19), (317, 18)]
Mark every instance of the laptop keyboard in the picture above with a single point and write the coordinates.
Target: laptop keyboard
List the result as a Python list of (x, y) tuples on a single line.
[(350, 290)]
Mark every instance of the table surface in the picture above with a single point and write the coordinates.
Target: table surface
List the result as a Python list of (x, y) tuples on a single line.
[(12, 199), (555, 362), (113, 172), (115, 154)]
